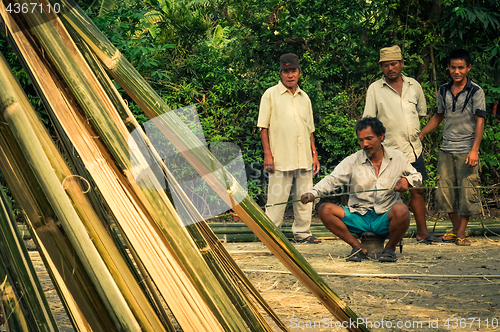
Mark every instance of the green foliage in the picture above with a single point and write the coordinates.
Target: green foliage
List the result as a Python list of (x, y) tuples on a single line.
[(222, 55), (490, 151), (226, 55), (13, 205)]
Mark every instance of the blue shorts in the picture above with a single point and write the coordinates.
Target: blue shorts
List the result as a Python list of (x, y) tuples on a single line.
[(370, 222)]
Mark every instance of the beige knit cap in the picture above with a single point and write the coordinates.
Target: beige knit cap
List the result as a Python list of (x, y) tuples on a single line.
[(390, 53)]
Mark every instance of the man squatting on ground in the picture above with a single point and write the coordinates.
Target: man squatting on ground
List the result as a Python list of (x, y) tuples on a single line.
[(287, 126), (463, 104), (380, 212), (399, 102)]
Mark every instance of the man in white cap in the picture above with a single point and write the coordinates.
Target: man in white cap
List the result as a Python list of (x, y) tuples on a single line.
[(399, 102), (287, 126)]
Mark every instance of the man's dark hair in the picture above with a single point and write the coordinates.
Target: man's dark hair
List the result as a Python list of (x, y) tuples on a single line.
[(376, 125), (460, 55)]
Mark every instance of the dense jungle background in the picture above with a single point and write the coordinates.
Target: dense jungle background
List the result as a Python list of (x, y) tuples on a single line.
[(221, 56)]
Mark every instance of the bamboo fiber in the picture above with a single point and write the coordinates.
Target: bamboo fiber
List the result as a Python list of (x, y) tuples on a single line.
[(67, 272), (50, 184), (30, 299), (178, 134), (10, 310), (151, 256), (216, 256), (105, 245)]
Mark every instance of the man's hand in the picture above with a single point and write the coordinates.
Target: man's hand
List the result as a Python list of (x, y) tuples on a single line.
[(472, 158), (306, 198), (316, 165), (421, 135), (401, 185), (269, 162)]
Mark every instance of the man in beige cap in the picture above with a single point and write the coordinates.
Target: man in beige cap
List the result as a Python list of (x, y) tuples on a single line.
[(287, 126), (399, 102)]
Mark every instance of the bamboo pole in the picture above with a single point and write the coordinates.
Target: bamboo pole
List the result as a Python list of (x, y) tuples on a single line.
[(118, 267), (205, 283), (203, 162), (68, 275), (19, 268), (50, 184), (216, 256)]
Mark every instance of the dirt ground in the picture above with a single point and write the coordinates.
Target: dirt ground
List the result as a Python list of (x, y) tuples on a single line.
[(420, 292), (427, 296)]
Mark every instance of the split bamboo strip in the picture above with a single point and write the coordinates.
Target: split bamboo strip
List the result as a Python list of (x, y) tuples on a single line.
[(200, 158), (390, 275), (72, 282), (18, 267), (102, 240), (65, 269), (215, 255), (102, 280), (9, 302), (94, 155), (92, 103)]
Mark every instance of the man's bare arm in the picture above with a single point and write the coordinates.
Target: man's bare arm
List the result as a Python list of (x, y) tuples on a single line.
[(268, 155), (436, 119), (473, 157), (316, 165)]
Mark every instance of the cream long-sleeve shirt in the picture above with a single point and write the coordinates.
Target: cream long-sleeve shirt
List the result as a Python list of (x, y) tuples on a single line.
[(290, 122), (358, 172)]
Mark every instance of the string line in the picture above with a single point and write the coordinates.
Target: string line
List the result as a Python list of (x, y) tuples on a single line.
[(385, 189)]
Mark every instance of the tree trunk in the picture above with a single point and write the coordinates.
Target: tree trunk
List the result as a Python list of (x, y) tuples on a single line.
[(435, 13)]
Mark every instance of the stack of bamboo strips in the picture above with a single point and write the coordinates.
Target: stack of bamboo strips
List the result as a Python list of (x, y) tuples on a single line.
[(184, 266), (231, 278), (23, 303), (200, 158), (197, 301), (239, 232), (180, 310), (67, 270)]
